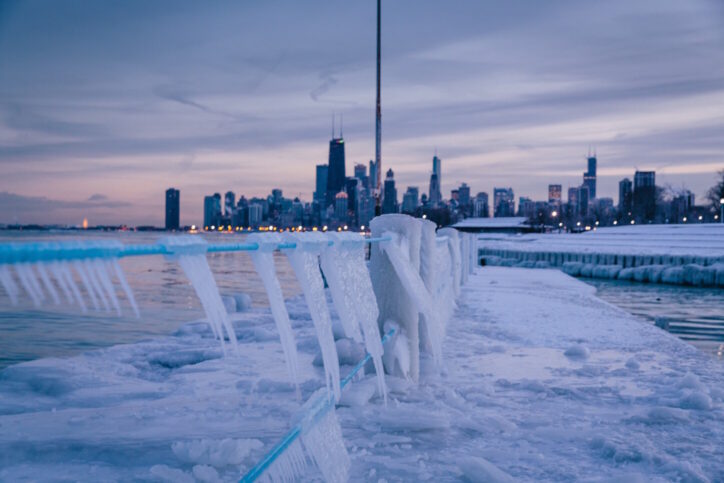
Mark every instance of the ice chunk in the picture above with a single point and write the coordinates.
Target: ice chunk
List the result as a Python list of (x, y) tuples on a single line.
[(304, 259), (480, 470)]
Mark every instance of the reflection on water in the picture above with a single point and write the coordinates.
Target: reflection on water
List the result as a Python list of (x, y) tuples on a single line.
[(163, 293), (694, 314)]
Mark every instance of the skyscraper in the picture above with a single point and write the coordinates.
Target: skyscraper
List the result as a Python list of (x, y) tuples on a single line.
[(212, 210), (320, 191), (644, 196), (625, 197), (554, 193), (410, 199), (336, 171), (464, 194), (172, 209), (589, 177), (390, 194), (584, 197), (503, 202), (340, 207), (229, 203), (435, 195), (480, 205)]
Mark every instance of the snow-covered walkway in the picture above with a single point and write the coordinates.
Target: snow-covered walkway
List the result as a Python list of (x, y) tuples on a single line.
[(542, 381)]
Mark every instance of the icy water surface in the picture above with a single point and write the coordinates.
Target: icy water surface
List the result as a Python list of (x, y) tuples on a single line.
[(694, 314), (164, 295)]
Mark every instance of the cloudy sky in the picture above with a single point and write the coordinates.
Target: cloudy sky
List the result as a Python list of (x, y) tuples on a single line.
[(104, 105)]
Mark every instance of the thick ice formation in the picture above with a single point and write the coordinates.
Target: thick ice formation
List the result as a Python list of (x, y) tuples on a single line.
[(46, 270), (402, 294), (453, 243), (304, 259), (191, 255), (349, 281), (263, 260)]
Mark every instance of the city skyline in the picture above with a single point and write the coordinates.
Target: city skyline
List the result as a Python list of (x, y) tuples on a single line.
[(119, 124)]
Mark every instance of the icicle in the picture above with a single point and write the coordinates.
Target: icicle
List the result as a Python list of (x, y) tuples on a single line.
[(191, 254), (263, 260), (9, 284), (290, 466), (68, 275), (80, 270), (26, 280), (322, 437), (305, 262), (45, 278), (344, 266), (124, 285), (105, 280), (337, 276), (55, 270), (96, 284)]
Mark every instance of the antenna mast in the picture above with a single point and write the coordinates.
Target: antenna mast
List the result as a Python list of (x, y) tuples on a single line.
[(378, 118)]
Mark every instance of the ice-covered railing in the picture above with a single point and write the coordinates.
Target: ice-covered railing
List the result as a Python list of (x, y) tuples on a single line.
[(408, 292)]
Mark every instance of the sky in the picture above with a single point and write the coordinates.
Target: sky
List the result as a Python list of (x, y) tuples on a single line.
[(104, 105)]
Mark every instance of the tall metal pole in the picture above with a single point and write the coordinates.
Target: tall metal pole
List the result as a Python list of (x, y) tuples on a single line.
[(378, 130)]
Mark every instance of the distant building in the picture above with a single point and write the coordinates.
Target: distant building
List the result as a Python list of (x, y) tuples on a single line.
[(320, 191), (373, 176), (644, 196), (173, 210), (229, 204), (589, 177), (390, 194), (554, 193), (410, 200), (435, 196), (336, 174), (480, 206), (464, 195), (255, 216), (503, 202), (584, 198), (625, 197), (341, 207), (212, 210), (353, 188), (526, 207)]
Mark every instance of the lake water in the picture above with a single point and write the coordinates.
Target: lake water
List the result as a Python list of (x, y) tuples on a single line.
[(694, 314), (167, 301), (165, 298)]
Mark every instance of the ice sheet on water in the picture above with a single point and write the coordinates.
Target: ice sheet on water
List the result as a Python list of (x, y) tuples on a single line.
[(304, 260), (263, 260), (191, 255), (349, 280)]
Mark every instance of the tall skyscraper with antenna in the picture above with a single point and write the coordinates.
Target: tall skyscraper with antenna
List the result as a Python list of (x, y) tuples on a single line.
[(336, 172)]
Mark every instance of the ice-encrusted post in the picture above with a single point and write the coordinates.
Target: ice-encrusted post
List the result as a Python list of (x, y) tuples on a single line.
[(453, 243), (395, 302)]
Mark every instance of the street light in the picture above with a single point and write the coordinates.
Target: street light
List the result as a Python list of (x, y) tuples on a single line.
[(721, 207)]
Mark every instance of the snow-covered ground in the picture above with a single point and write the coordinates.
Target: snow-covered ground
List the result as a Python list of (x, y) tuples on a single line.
[(542, 381), (675, 254)]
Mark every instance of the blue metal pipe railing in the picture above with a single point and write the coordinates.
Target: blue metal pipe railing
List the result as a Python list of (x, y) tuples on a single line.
[(31, 252), (315, 413)]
